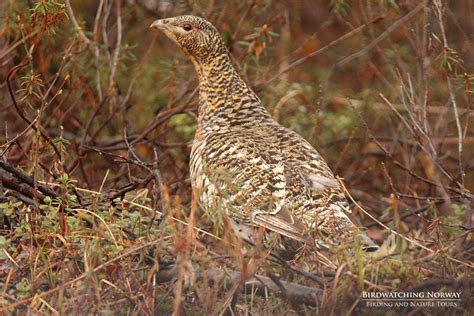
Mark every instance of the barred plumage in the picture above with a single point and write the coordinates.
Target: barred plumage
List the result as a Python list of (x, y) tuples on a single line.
[(244, 162)]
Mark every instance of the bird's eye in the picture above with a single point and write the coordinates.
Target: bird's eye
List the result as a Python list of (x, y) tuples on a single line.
[(187, 27)]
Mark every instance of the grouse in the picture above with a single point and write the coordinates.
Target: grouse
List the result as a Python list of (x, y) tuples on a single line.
[(244, 162)]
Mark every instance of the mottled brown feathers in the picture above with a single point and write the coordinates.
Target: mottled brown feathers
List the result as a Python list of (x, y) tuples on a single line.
[(245, 163)]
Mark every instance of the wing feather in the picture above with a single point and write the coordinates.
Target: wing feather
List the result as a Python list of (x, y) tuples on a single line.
[(259, 175)]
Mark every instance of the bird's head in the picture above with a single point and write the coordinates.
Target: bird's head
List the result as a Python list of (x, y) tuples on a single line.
[(196, 36)]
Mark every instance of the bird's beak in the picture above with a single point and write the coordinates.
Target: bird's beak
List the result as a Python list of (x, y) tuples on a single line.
[(159, 24)]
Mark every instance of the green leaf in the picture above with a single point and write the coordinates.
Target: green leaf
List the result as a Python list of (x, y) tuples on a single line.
[(4, 243)]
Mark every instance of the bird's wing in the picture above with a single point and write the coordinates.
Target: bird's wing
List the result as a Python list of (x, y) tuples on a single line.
[(316, 174), (326, 191), (322, 204), (250, 175)]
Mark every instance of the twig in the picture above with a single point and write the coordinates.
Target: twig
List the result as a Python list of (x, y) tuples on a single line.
[(14, 139), (72, 282), (128, 188), (413, 130), (461, 192), (161, 185), (153, 169), (11, 73), (20, 191), (379, 106), (241, 20), (26, 179), (438, 5), (105, 38), (384, 35), (164, 116), (18, 43), (116, 53), (397, 233), (323, 49), (97, 19), (409, 213), (295, 292), (92, 45)]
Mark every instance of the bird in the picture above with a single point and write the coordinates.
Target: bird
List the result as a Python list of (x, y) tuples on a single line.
[(243, 162)]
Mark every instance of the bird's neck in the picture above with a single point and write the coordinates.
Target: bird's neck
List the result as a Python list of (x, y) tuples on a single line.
[(223, 94)]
